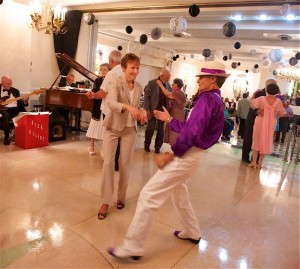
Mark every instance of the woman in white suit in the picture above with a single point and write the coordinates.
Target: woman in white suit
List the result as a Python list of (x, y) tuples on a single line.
[(123, 100)]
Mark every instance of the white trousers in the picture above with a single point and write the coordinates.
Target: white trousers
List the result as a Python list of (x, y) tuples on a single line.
[(170, 181), (110, 143)]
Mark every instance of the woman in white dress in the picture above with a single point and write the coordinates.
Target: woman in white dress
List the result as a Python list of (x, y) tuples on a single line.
[(95, 127)]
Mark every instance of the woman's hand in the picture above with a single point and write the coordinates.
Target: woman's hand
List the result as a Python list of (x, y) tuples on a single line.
[(135, 112), (144, 117), (162, 115), (159, 83)]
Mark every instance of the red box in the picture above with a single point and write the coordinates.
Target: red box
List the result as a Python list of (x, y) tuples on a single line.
[(32, 131)]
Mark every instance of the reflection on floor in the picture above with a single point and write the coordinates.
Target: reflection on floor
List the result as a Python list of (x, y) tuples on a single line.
[(50, 198)]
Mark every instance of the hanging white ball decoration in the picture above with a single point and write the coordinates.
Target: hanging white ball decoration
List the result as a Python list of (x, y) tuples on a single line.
[(178, 24), (266, 62), (219, 54), (275, 55)]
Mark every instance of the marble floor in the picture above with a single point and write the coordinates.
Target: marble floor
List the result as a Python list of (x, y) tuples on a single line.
[(50, 197)]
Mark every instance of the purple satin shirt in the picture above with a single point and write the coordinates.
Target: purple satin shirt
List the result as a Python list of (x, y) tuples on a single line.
[(204, 125)]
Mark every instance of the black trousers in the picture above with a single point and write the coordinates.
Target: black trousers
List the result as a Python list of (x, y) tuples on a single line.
[(151, 124), (242, 127), (283, 127), (8, 114), (247, 142)]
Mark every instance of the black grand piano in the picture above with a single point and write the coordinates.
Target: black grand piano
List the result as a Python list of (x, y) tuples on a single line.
[(72, 98)]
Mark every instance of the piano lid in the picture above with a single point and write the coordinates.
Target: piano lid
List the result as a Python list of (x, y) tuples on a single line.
[(78, 67)]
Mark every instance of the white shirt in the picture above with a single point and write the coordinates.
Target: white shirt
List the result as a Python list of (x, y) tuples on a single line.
[(4, 94), (117, 71)]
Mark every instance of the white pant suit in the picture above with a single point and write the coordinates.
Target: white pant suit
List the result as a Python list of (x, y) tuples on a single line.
[(170, 181)]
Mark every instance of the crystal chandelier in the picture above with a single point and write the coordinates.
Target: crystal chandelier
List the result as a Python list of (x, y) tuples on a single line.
[(44, 17), (288, 74)]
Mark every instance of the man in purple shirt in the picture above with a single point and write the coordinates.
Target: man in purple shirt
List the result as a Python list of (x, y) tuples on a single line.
[(201, 130)]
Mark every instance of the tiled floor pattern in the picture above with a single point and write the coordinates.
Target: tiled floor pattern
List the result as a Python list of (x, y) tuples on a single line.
[(50, 197)]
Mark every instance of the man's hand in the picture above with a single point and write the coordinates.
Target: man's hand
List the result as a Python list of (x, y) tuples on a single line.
[(260, 112), (162, 159), (25, 100), (162, 115), (90, 95)]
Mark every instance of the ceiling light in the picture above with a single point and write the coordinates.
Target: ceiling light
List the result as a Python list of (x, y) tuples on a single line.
[(263, 17), (237, 17), (290, 17)]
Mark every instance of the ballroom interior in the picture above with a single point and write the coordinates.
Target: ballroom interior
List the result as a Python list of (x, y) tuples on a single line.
[(50, 194)]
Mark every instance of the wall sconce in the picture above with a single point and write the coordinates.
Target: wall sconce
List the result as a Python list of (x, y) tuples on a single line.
[(44, 17)]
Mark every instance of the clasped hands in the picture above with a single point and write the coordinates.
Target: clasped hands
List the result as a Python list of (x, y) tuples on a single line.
[(162, 159), (96, 95), (138, 114)]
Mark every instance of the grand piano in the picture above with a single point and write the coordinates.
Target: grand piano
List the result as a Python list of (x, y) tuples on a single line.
[(71, 98)]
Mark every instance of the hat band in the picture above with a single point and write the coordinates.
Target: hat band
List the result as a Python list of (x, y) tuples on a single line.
[(212, 71)]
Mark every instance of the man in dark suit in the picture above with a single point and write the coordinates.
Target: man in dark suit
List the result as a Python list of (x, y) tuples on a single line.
[(154, 99), (10, 110), (64, 111), (247, 142)]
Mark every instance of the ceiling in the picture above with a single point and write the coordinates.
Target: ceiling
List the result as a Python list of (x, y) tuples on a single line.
[(206, 29)]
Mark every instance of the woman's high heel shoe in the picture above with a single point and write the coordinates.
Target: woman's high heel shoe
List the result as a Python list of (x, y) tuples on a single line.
[(91, 151), (259, 165), (252, 165), (102, 212)]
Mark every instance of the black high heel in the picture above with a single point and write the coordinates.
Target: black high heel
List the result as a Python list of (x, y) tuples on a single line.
[(111, 251), (194, 241)]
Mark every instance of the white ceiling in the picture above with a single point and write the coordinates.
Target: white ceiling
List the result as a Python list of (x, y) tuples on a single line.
[(206, 29)]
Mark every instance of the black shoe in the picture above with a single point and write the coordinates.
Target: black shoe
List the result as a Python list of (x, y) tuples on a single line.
[(157, 151), (246, 161), (194, 241), (147, 149), (116, 167), (6, 141)]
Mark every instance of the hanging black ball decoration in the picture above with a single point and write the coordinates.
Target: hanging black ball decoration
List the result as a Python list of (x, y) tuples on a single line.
[(89, 18), (234, 65), (297, 56), (120, 48), (194, 10), (274, 72), (239, 64), (206, 53), (143, 39), (293, 61), (225, 58), (237, 45), (246, 70), (177, 56), (256, 66), (174, 58), (229, 29), (129, 29)]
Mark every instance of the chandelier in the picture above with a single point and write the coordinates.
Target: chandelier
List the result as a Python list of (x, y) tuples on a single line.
[(44, 17), (288, 74)]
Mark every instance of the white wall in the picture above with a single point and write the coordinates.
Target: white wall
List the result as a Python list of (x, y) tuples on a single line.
[(15, 45)]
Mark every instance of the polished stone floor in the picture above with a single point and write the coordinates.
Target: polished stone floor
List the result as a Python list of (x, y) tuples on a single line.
[(50, 198)]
